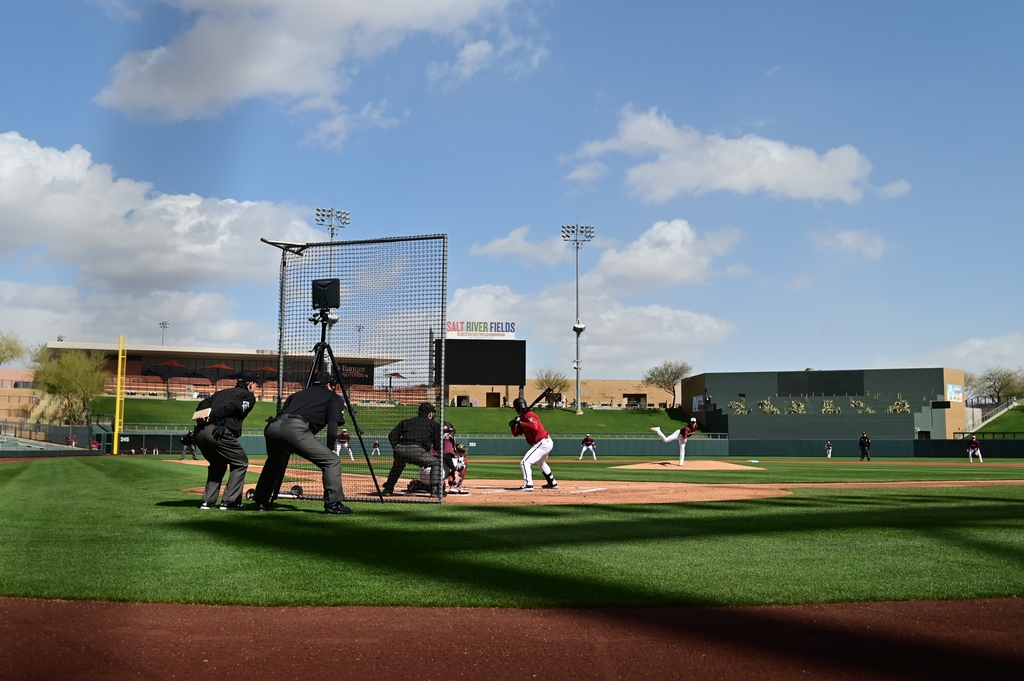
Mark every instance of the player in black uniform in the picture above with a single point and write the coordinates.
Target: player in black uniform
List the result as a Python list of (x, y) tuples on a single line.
[(294, 430), (417, 441), (217, 438), (865, 447)]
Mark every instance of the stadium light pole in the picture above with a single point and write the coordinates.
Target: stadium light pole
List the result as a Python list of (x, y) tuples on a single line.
[(577, 235), (333, 220), (163, 327)]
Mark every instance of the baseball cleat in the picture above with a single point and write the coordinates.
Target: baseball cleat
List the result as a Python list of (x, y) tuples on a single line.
[(550, 485), (337, 508), (527, 487), (205, 506), (235, 506)]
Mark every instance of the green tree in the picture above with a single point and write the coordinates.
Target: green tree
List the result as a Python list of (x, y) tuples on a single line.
[(554, 379), (1000, 384), (11, 348), (666, 376), (74, 376)]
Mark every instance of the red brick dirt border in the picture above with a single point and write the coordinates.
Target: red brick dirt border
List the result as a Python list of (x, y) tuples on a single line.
[(51, 639)]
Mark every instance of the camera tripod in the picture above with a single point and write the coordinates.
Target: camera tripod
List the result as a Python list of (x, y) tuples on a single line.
[(322, 354)]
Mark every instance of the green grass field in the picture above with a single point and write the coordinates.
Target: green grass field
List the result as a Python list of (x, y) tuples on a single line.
[(465, 419), (172, 411), (122, 529), (1010, 422)]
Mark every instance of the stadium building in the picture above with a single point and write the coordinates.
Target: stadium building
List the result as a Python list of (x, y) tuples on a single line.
[(888, 404)]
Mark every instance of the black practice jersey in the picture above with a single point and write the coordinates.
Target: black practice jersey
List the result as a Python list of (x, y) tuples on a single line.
[(417, 431), (318, 405), (229, 408)]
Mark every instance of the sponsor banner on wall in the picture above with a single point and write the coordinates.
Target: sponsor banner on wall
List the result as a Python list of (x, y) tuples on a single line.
[(482, 330), (954, 393)]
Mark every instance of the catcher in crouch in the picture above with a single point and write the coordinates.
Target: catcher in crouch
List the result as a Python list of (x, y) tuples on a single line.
[(528, 425)]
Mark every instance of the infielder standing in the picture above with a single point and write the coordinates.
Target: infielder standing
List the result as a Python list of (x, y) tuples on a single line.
[(974, 447), (344, 443), (681, 435), (528, 425), (588, 443)]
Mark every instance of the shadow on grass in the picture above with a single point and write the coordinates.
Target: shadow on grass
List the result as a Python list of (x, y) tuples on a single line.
[(481, 546), (411, 546)]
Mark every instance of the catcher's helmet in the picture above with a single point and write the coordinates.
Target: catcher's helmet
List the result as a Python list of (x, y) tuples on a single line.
[(519, 404), (460, 448)]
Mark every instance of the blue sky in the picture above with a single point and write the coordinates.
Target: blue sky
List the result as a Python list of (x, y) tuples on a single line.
[(774, 186)]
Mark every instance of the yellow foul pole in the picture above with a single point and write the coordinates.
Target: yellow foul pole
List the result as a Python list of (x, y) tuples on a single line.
[(122, 357)]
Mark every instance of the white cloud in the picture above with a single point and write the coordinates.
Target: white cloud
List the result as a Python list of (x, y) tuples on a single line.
[(471, 59), (588, 172), (667, 253), (331, 132), (483, 302), (800, 281), (620, 340), (303, 51), (860, 244), (738, 270), (689, 161), (976, 354), (134, 254), (894, 189), (549, 252)]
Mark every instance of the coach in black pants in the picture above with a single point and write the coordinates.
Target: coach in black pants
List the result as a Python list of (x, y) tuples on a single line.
[(412, 440), (293, 431), (217, 438)]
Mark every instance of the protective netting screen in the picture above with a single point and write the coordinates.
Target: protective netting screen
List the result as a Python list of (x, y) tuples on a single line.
[(392, 310)]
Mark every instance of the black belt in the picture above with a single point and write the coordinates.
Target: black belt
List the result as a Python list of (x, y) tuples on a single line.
[(294, 416)]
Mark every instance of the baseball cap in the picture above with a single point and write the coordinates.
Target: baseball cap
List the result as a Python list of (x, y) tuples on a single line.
[(323, 378), (247, 377), (693, 419)]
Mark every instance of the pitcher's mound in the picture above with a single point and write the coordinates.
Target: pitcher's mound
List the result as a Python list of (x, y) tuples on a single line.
[(673, 465)]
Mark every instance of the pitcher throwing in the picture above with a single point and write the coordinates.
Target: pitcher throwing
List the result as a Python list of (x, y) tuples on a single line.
[(681, 435)]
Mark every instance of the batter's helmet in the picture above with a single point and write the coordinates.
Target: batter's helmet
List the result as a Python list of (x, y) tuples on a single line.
[(519, 404)]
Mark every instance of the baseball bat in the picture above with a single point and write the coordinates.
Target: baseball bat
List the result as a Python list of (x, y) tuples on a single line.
[(547, 391)]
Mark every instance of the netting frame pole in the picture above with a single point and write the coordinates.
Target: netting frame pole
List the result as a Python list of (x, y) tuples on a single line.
[(280, 329)]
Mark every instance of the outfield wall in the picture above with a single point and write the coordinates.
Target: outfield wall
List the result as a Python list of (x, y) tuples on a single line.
[(750, 449), (651, 447)]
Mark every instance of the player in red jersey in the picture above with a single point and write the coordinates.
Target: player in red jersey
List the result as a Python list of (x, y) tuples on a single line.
[(529, 426), (681, 435), (588, 443), (344, 444)]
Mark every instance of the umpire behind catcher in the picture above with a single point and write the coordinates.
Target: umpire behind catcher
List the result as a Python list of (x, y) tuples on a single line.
[(217, 438), (294, 430), (413, 441)]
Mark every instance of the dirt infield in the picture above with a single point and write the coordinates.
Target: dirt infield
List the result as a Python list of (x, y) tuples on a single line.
[(577, 492), (696, 465), (42, 639)]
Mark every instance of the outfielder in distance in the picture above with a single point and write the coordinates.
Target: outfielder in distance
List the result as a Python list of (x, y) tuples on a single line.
[(529, 426), (681, 435)]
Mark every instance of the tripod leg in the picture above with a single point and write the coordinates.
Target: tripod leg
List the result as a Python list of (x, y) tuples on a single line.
[(355, 424)]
